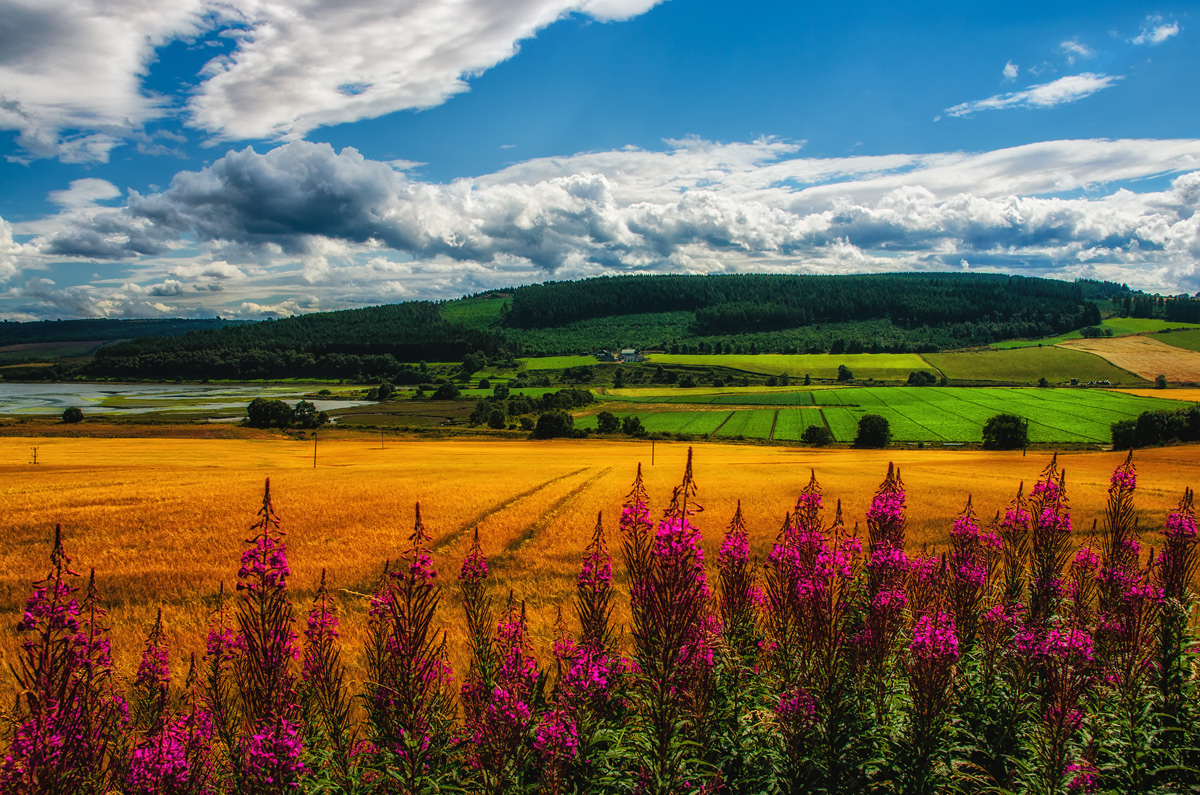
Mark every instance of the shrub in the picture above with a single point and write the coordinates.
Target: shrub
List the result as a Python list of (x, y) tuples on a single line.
[(526, 423), (1005, 432), (72, 414), (496, 419), (816, 436), (554, 423), (873, 432), (922, 378), (607, 422), (446, 391), (632, 426), (844, 373), (264, 413), (1160, 381)]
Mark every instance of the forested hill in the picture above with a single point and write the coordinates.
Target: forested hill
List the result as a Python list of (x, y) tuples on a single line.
[(767, 302), (103, 329)]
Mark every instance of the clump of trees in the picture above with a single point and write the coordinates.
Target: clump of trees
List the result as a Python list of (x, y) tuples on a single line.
[(816, 436), (506, 404), (72, 414), (264, 413), (1005, 432), (922, 378), (844, 373), (1153, 428), (874, 432)]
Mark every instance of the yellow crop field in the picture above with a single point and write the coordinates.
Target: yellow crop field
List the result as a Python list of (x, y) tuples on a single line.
[(1188, 395), (162, 520), (1143, 355)]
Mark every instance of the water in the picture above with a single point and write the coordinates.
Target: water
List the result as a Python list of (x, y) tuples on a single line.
[(31, 399)]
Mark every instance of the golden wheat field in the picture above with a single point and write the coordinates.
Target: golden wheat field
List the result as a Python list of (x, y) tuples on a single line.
[(162, 520), (1144, 356)]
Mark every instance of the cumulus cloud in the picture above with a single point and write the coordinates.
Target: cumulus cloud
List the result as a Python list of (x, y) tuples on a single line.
[(305, 220), (1046, 95), (1011, 70), (1156, 31), (73, 71)]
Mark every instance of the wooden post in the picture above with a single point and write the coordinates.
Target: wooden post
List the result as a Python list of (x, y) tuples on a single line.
[(35, 456)]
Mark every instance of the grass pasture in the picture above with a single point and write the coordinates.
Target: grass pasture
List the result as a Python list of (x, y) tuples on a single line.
[(162, 520), (925, 414), (1027, 365), (1188, 340), (878, 366)]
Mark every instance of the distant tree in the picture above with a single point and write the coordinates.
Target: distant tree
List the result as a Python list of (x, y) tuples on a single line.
[(807, 379), (526, 423), (844, 373), (632, 426), (305, 415), (1091, 332), (619, 378), (921, 378), (484, 383), (785, 380), (496, 419), (1123, 434), (687, 382), (607, 422), (1005, 432), (944, 381), (554, 423), (772, 381), (816, 436), (873, 432), (501, 391), (72, 414), (446, 391), (263, 413), (473, 362), (1160, 381), (1042, 382)]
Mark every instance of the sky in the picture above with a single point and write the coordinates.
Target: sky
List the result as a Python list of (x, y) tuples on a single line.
[(265, 158)]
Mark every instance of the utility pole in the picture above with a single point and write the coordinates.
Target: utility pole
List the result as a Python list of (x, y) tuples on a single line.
[(35, 456)]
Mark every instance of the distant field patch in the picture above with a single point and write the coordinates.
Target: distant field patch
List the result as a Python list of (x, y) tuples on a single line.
[(791, 423), (1119, 326), (694, 422), (1189, 340), (754, 424), (557, 362), (879, 366), (1185, 395), (1145, 356), (1058, 365)]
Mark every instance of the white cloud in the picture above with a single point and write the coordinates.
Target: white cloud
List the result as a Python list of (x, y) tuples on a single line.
[(1075, 49), (302, 227), (84, 193), (1046, 95), (326, 62), (1011, 70), (72, 71), (1156, 31)]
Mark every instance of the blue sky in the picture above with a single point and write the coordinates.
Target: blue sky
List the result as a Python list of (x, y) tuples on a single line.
[(257, 158)]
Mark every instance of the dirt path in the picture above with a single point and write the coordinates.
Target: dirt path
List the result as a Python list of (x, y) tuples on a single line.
[(1144, 356)]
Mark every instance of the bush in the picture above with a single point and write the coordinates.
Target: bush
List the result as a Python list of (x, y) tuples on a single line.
[(607, 422), (922, 378), (816, 436), (526, 423), (1123, 434), (873, 432), (484, 383), (263, 413), (844, 373), (554, 423), (72, 414), (1005, 432), (1042, 382), (1160, 381), (496, 419), (632, 426), (446, 391)]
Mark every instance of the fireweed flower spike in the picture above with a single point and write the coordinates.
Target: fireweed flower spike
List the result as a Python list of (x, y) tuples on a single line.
[(1175, 572), (884, 593), (409, 693), (593, 600), (270, 743), (152, 683), (739, 594), (67, 716), (932, 655), (327, 705), (1050, 542)]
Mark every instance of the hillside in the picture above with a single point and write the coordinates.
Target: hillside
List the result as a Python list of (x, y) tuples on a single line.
[(682, 315)]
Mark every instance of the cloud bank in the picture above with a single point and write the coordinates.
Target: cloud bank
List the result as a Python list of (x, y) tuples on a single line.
[(301, 226)]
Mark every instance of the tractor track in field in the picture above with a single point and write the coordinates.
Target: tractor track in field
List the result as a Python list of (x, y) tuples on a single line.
[(497, 508), (545, 519), (717, 429)]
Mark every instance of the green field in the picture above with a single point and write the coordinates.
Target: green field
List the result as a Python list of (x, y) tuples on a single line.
[(925, 414), (1027, 365), (557, 362), (1119, 326), (1188, 340), (879, 366), (755, 424)]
